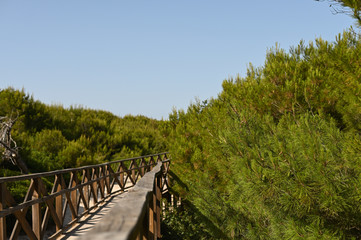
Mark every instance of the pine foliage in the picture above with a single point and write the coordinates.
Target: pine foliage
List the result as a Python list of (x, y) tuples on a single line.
[(277, 154)]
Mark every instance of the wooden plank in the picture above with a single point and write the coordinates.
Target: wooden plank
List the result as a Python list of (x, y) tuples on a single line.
[(151, 162), (107, 179), (36, 211), (68, 201), (73, 194), (17, 226), (142, 170), (132, 176), (94, 186), (158, 207), (64, 171), (115, 179), (50, 210), (86, 177), (9, 200), (129, 216), (101, 181), (2, 206), (59, 202), (152, 219), (121, 175), (83, 191)]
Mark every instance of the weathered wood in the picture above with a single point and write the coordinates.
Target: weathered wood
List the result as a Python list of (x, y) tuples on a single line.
[(59, 202), (127, 218), (133, 171), (158, 207), (17, 226), (64, 171), (94, 179), (9, 201), (101, 176), (68, 201), (2, 206), (73, 196), (36, 213), (142, 170), (107, 179), (50, 210), (154, 217), (116, 179)]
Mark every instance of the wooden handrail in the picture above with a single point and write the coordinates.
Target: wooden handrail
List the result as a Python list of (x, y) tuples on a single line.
[(87, 186), (52, 173)]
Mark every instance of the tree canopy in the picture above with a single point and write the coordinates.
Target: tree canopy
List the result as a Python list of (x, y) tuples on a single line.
[(277, 154), (53, 137)]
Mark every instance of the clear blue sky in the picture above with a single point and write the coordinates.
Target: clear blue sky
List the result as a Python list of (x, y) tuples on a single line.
[(146, 57)]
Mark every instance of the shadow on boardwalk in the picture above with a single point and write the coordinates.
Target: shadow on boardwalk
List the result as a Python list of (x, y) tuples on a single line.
[(90, 220)]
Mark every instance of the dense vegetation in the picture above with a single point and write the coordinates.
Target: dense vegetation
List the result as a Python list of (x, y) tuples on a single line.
[(52, 137), (277, 155)]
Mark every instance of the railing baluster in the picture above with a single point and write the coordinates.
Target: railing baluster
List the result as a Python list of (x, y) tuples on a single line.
[(121, 175), (87, 191), (151, 162), (107, 179), (73, 195), (142, 170), (102, 180), (133, 171), (94, 187), (59, 201), (36, 213)]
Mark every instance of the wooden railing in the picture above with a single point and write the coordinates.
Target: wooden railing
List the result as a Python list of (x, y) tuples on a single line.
[(138, 214), (51, 195)]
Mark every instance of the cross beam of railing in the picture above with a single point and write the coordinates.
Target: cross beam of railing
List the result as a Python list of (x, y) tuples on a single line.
[(51, 195)]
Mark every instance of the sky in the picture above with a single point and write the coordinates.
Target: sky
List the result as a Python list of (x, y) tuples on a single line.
[(147, 57)]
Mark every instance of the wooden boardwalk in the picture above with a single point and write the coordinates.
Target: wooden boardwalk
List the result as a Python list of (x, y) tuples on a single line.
[(95, 216), (71, 203)]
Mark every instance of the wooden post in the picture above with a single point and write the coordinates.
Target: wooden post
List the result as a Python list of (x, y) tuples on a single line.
[(59, 202), (95, 186), (2, 206), (153, 213), (36, 213), (86, 187), (151, 162), (151, 229), (121, 175), (158, 207), (73, 195), (133, 171), (107, 179), (142, 167), (101, 182), (145, 226)]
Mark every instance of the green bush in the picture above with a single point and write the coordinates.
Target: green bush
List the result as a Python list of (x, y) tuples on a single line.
[(277, 154)]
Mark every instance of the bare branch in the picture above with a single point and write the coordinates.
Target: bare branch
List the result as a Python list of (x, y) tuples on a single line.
[(10, 148)]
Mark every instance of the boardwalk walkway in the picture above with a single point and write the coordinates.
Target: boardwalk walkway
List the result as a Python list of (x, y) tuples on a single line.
[(68, 203), (88, 222)]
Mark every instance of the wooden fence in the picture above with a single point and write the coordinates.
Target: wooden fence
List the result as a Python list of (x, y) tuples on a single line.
[(51, 195)]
